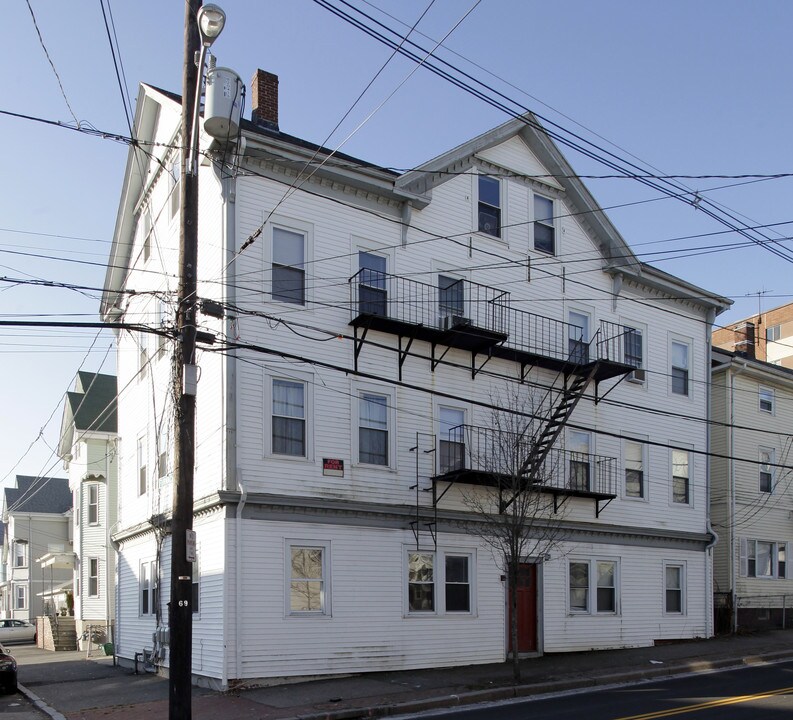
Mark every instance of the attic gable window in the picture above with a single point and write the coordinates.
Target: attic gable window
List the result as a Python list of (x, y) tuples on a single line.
[(489, 206), (544, 229)]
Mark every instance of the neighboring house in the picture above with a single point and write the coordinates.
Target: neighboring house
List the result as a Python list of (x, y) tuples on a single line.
[(767, 336), (363, 327), (87, 447), (37, 517), (752, 491)]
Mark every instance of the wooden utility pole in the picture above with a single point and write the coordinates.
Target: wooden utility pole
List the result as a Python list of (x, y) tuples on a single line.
[(180, 611)]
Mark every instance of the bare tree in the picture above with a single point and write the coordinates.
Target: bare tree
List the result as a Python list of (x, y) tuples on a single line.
[(516, 503)]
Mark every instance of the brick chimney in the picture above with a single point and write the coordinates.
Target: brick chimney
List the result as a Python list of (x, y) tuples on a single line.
[(264, 100), (745, 339)]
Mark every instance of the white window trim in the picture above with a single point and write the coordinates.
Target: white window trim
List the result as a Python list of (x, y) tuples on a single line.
[(591, 609), (744, 559), (274, 373), (641, 328), (439, 582), (683, 585), (772, 454), (502, 236), (26, 551), (641, 440), (97, 576), (296, 226), (141, 463), (763, 389), (674, 445), (24, 589), (92, 487), (151, 569), (390, 392), (557, 230), (327, 605), (689, 343)]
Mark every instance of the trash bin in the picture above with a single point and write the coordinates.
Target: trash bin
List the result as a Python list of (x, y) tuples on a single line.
[(108, 648)]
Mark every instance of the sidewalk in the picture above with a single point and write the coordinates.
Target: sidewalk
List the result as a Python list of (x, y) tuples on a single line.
[(69, 686)]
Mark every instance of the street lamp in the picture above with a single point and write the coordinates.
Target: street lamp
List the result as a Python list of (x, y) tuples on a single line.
[(211, 20)]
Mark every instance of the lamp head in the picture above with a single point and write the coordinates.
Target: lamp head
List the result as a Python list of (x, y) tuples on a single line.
[(211, 20)]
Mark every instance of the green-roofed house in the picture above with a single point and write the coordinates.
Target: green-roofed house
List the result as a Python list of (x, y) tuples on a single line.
[(87, 447)]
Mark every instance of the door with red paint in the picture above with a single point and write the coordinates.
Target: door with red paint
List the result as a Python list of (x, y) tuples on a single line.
[(527, 609)]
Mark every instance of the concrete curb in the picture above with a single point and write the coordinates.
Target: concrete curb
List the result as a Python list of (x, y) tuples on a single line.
[(40, 704), (523, 691)]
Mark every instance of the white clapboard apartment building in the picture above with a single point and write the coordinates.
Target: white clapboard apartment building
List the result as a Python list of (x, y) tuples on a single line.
[(356, 335)]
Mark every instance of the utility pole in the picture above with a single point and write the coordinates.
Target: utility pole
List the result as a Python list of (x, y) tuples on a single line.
[(180, 611)]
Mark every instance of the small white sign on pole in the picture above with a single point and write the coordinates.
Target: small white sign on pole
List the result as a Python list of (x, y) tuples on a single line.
[(190, 545)]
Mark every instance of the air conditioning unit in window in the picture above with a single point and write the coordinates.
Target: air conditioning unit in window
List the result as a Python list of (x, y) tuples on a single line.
[(639, 375), (453, 322)]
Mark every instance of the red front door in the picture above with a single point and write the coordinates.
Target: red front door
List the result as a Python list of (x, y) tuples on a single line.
[(527, 609)]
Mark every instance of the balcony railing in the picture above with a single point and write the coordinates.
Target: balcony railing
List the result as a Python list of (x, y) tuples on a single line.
[(456, 303), (469, 311), (484, 456)]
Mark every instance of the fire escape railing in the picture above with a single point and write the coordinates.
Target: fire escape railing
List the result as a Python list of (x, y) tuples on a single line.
[(495, 457)]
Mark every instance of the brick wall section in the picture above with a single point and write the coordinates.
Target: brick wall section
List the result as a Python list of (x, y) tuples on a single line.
[(783, 316), (264, 99)]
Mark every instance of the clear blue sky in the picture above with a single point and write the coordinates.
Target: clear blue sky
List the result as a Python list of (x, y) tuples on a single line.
[(692, 88)]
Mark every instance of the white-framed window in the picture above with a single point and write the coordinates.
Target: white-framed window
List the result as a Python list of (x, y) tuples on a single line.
[(20, 597), (457, 582), (578, 336), (146, 233), (674, 588), (93, 504), (544, 225), (93, 577), (78, 508), (489, 206), (440, 582), (764, 559), (162, 465), (451, 297), (20, 554), (593, 586), (141, 464), (680, 367), (289, 251), (373, 284), (195, 594), (451, 439), (773, 333), (634, 455), (681, 476), (375, 418), (766, 400), (148, 587), (308, 578), (634, 351), (767, 458), (288, 417), (579, 454)]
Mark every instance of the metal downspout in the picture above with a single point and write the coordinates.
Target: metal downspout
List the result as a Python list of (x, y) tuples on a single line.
[(228, 195), (733, 574), (238, 575)]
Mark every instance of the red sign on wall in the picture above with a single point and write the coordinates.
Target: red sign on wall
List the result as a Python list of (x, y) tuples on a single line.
[(333, 466)]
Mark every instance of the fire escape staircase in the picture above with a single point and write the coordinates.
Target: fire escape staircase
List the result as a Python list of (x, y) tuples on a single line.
[(573, 392)]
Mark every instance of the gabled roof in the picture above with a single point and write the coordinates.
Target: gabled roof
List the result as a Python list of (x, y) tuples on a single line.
[(38, 495), (90, 407), (618, 258)]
